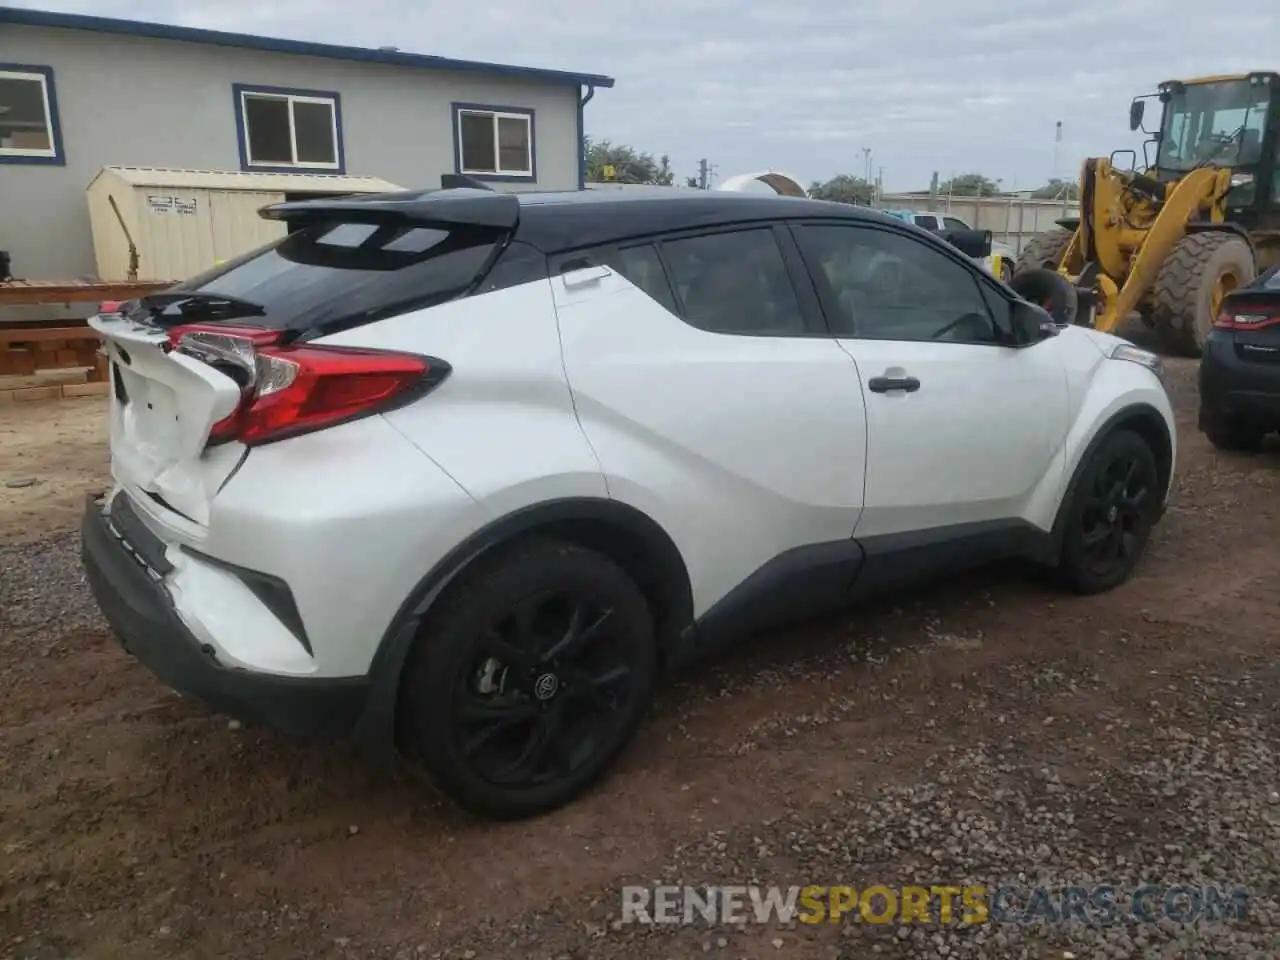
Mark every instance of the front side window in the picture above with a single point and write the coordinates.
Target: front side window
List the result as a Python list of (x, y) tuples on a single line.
[(951, 223), (289, 129), (734, 282), (494, 142), (28, 115), (882, 285)]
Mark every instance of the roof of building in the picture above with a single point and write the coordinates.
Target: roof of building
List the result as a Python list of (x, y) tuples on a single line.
[(391, 57), (285, 181)]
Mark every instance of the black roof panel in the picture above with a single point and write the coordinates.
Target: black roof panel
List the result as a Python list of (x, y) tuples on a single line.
[(554, 222), (573, 219)]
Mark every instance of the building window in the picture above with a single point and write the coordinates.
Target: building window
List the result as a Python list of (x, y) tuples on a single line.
[(289, 129), (29, 131), (494, 142)]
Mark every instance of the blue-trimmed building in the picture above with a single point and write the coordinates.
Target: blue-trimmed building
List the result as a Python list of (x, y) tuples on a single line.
[(79, 93)]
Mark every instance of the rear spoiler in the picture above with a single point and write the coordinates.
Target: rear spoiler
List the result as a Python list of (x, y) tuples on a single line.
[(453, 207)]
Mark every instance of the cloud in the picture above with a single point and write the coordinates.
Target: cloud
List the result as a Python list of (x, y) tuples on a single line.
[(807, 85)]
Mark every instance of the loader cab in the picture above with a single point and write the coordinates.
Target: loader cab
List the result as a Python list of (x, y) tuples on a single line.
[(1222, 122)]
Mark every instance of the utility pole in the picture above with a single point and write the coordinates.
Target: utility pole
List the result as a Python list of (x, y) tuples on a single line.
[(704, 173), (1057, 145), (866, 164)]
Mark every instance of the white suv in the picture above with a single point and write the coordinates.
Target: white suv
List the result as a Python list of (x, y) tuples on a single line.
[(456, 474)]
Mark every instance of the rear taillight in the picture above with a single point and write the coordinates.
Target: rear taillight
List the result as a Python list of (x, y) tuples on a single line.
[(1247, 320), (291, 389)]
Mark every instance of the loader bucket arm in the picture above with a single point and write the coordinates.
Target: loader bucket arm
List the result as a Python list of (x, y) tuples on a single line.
[(1197, 191)]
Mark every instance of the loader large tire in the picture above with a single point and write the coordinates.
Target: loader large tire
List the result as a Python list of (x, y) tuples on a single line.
[(1188, 288), (1043, 251)]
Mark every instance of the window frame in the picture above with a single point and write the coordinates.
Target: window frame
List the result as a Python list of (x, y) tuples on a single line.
[(495, 113), (815, 324), (56, 156), (983, 283), (241, 91)]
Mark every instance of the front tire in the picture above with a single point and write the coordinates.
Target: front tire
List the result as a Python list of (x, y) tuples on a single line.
[(1109, 518), (1199, 271), (530, 680)]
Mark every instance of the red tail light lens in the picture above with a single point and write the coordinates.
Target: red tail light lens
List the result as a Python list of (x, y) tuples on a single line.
[(287, 390), (1247, 320)]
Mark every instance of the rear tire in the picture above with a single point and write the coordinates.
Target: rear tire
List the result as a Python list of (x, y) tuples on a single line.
[(1184, 287), (1044, 251), (509, 715), (1110, 515)]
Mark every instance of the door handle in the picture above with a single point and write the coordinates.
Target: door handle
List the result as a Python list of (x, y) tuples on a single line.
[(582, 276), (885, 384)]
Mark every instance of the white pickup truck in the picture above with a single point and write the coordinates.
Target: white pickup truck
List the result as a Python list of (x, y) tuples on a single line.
[(938, 222)]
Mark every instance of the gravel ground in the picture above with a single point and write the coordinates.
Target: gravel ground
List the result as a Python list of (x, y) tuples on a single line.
[(990, 731), (43, 588)]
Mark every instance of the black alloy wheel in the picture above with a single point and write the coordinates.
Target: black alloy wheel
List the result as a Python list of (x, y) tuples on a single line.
[(1115, 515), (1111, 514), (529, 680), (548, 685)]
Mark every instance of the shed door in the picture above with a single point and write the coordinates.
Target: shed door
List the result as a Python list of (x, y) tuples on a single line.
[(237, 228), (175, 241)]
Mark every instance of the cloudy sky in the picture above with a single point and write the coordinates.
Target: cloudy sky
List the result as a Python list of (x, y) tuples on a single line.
[(806, 85)]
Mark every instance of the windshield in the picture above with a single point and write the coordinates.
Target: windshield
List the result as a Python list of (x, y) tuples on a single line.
[(1200, 122)]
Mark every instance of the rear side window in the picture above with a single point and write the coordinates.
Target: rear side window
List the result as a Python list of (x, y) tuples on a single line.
[(642, 267), (337, 275), (734, 283), (929, 223)]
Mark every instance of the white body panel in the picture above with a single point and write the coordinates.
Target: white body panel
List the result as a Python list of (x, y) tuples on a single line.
[(740, 447), (971, 444)]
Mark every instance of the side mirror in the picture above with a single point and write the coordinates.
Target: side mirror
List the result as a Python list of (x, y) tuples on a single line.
[(1136, 110), (972, 243), (1031, 323)]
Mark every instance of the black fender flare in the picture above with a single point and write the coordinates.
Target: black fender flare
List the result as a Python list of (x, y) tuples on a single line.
[(1148, 420), (374, 733)]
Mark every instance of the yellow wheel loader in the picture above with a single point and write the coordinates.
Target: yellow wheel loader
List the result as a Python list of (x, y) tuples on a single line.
[(1201, 220)]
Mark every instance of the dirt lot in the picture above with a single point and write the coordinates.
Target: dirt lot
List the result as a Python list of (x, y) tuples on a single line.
[(987, 731)]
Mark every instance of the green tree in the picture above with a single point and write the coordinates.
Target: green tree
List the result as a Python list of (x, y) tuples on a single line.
[(1057, 189), (969, 185), (619, 163), (843, 188)]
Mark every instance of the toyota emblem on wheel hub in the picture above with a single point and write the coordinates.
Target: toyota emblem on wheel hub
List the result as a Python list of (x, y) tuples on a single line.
[(546, 686)]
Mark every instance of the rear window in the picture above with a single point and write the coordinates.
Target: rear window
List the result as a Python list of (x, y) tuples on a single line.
[(338, 275)]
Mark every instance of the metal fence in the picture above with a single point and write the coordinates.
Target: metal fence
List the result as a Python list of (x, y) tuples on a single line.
[(1012, 220)]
